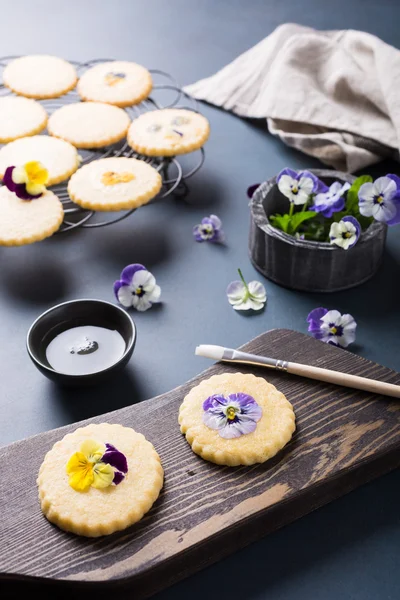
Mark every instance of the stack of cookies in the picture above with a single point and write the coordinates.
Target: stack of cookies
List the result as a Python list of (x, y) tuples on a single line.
[(98, 120)]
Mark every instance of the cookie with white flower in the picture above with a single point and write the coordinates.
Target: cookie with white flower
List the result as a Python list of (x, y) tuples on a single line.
[(40, 76), (236, 419), (99, 479), (89, 124), (28, 211), (168, 132), (121, 83), (137, 288), (113, 184), (20, 117), (60, 158)]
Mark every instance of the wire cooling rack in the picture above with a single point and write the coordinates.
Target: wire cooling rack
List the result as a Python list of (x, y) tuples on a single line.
[(166, 93)]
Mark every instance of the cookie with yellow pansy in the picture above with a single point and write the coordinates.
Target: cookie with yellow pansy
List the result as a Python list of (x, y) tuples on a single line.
[(89, 124), (168, 132), (121, 83), (99, 479), (236, 419), (60, 158), (40, 76), (28, 211), (113, 184)]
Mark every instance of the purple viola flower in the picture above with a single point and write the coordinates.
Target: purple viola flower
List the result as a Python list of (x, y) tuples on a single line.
[(117, 460), (137, 288), (345, 233), (19, 189), (233, 416), (332, 200), (209, 230), (332, 327), (381, 199), (252, 188), (298, 186)]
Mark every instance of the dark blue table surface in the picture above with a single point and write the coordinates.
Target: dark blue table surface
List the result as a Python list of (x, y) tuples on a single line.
[(348, 549)]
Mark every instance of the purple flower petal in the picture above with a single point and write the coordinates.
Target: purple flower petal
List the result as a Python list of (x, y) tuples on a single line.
[(197, 234), (129, 271), (118, 477), (289, 172), (356, 224), (117, 286), (214, 401), (8, 181), (115, 458), (252, 188), (317, 314)]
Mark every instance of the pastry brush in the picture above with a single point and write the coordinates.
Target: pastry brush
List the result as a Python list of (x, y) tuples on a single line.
[(219, 353)]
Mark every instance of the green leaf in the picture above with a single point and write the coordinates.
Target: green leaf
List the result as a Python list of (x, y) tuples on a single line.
[(352, 194), (298, 218), (280, 222)]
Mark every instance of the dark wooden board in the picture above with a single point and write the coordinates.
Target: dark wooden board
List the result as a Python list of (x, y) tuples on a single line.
[(344, 438)]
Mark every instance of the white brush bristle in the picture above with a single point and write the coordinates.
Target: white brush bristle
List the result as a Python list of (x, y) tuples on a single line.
[(209, 351)]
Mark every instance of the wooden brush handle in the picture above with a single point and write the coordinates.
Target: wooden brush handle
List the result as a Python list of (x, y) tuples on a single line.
[(353, 381)]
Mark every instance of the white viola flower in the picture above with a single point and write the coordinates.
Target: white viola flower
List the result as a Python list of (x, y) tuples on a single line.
[(137, 288), (246, 296), (297, 187), (332, 327), (376, 199), (345, 233)]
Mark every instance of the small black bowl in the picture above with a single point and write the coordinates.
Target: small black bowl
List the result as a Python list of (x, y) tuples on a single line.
[(76, 313)]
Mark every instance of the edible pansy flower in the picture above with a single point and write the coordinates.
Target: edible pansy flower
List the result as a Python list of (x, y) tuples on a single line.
[(137, 288), (345, 233), (233, 416), (246, 296), (298, 187), (332, 200), (27, 181), (332, 327), (96, 465), (380, 199), (209, 230)]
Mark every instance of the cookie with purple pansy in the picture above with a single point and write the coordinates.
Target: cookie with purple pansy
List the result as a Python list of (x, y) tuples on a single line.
[(99, 479), (236, 419)]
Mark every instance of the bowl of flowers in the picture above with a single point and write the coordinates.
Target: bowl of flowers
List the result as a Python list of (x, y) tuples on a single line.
[(321, 230)]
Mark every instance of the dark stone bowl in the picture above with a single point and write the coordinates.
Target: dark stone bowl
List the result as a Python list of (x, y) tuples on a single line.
[(303, 264), (74, 314)]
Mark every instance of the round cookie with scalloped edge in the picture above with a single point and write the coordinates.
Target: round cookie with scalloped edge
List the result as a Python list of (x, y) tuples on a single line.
[(100, 509), (121, 83), (40, 76), (20, 117), (28, 221), (113, 184), (89, 124), (60, 158), (168, 132), (236, 419)]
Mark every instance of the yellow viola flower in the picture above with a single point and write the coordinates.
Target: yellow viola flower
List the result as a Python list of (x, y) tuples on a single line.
[(34, 175)]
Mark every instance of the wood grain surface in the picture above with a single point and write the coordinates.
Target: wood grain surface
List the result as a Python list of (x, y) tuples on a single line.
[(344, 438)]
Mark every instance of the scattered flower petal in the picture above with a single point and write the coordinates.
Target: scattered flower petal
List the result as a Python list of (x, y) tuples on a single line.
[(243, 296), (331, 201), (233, 416), (345, 233), (137, 288), (379, 199), (332, 327), (209, 230)]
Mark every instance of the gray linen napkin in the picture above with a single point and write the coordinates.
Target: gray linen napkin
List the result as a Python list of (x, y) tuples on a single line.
[(334, 95)]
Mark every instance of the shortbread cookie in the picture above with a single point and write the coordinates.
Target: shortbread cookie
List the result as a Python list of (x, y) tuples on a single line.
[(99, 479), (20, 117), (60, 158), (112, 184), (27, 221), (236, 419), (168, 131), (40, 76), (121, 83), (89, 124)]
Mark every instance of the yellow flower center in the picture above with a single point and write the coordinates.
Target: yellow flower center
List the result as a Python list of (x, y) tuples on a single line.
[(111, 178), (334, 330), (379, 199), (230, 413), (114, 78)]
